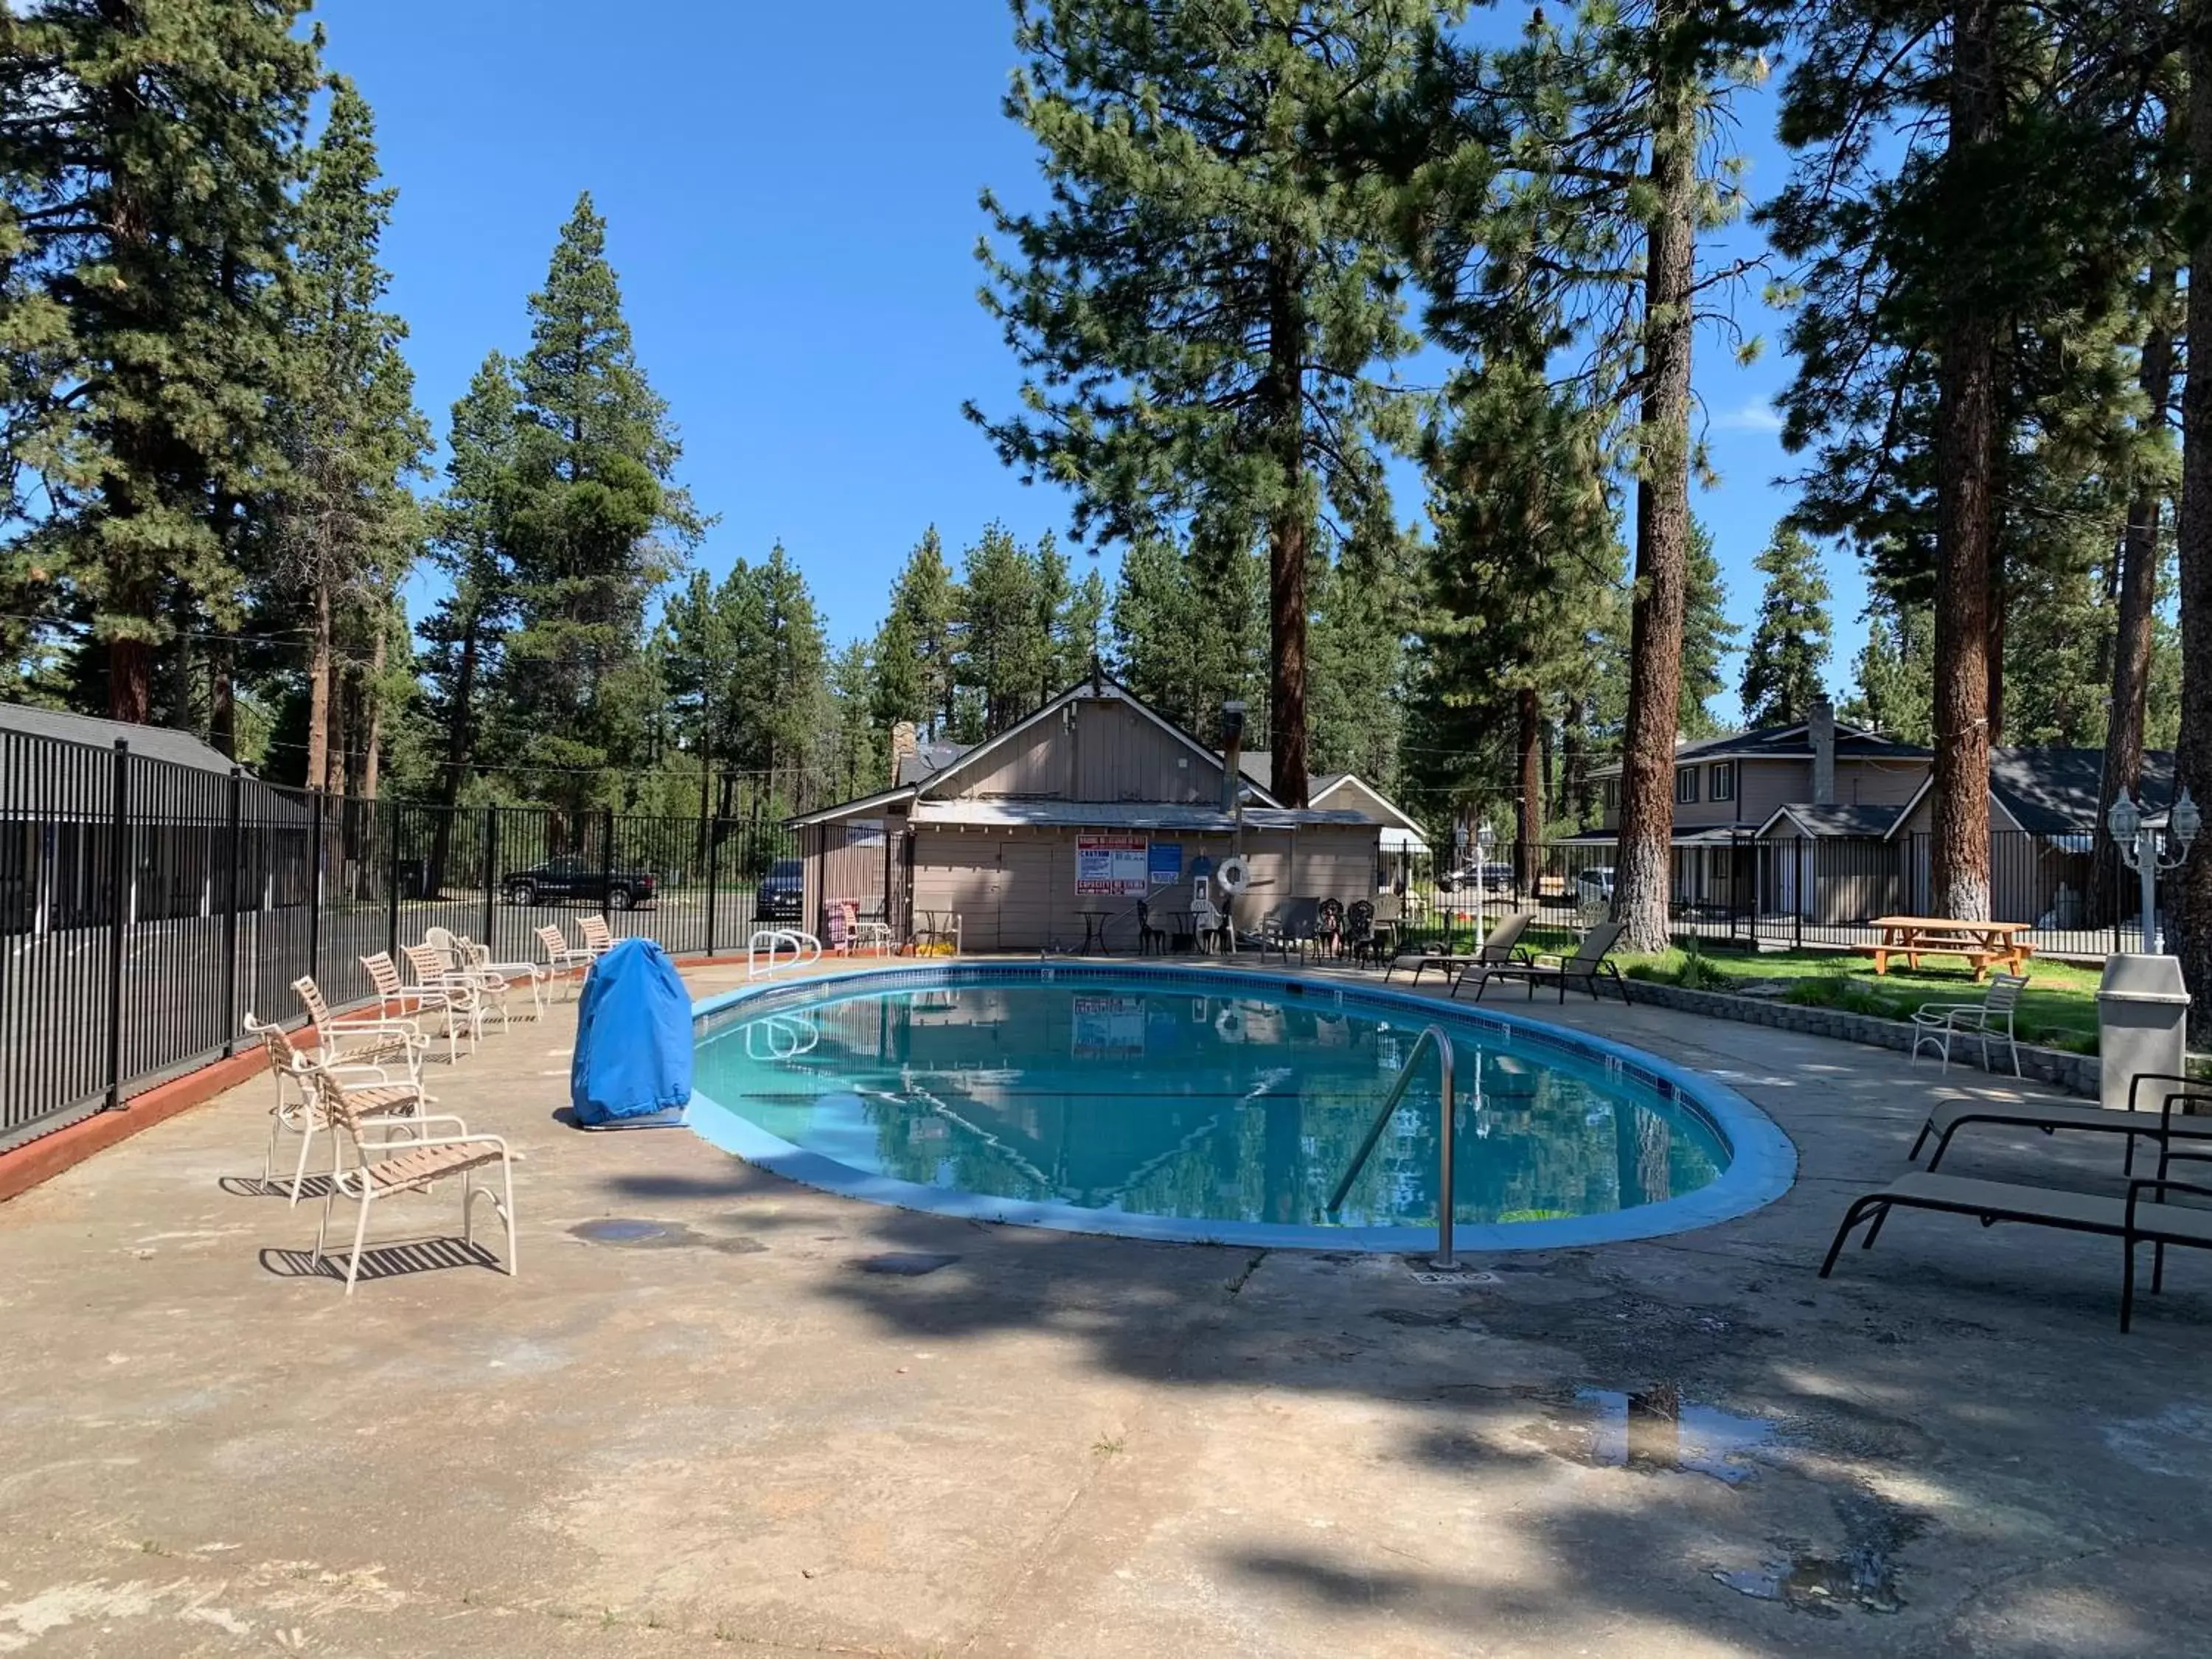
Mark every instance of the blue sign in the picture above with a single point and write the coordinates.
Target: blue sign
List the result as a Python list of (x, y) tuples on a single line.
[(1163, 864)]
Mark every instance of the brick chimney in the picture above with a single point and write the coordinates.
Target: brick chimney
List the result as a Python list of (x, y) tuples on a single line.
[(904, 742), (1821, 729)]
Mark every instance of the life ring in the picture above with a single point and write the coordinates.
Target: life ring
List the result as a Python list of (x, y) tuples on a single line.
[(1229, 1023), (1234, 874)]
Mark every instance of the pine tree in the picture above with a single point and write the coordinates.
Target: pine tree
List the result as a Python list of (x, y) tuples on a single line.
[(1004, 653), (1788, 648), (145, 159), (592, 510), (349, 527), (1971, 199), (1569, 215), (1707, 635), (854, 763), (1202, 311), (1190, 630), (914, 653), (465, 632), (1895, 670)]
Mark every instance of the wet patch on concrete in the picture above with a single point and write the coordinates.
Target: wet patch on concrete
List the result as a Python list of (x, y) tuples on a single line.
[(1656, 1430), (632, 1233), (1863, 1573), (904, 1264), (2177, 1441)]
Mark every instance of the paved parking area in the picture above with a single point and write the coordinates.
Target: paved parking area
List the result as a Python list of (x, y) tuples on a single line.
[(710, 1416)]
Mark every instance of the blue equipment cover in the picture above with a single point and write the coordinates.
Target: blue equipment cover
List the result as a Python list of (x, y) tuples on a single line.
[(633, 1057)]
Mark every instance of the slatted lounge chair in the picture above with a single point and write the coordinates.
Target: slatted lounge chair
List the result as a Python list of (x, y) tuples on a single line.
[(476, 959), (1504, 945), (2129, 1219), (299, 1106), (2136, 1123), (467, 995), (383, 1167), (598, 937), (342, 1039), (563, 958), (1985, 1022), (1588, 968), (413, 1001)]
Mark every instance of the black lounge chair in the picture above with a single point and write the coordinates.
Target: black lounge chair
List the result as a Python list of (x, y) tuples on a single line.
[(1584, 968), (2135, 1123), (1504, 945), (2131, 1220)]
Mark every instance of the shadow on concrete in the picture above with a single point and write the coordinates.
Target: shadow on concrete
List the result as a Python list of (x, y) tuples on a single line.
[(381, 1260)]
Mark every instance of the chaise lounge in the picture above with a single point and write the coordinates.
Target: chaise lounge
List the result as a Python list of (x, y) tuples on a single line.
[(1504, 945), (2131, 1220), (1583, 969), (2135, 1123)]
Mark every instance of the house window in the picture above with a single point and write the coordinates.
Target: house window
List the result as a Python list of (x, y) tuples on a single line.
[(1723, 781), (1609, 793), (1686, 786)]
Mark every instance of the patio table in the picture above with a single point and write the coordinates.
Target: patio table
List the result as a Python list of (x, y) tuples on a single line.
[(1985, 944), (1094, 931)]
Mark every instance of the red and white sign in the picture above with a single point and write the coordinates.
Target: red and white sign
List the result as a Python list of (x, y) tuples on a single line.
[(1111, 866)]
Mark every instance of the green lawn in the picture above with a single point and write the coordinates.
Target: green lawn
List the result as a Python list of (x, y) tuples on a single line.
[(2058, 1009)]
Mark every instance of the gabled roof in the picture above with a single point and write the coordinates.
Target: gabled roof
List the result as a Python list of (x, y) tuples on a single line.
[(933, 785), (1353, 782), (1821, 820), (2051, 792), (1785, 743), (1103, 689)]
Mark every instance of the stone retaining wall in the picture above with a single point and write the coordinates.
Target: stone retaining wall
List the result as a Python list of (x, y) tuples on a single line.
[(2076, 1073)]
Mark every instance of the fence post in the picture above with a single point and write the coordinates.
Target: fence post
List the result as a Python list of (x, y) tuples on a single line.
[(606, 856), (315, 831), (119, 900), (230, 923), (713, 847), (491, 877), (391, 881)]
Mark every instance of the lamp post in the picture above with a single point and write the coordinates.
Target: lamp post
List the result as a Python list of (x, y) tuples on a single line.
[(2139, 848)]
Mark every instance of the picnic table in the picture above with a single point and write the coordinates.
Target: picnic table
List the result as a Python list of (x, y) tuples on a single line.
[(1985, 944)]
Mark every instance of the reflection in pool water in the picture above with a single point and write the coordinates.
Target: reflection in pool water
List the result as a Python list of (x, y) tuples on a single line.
[(1158, 1101)]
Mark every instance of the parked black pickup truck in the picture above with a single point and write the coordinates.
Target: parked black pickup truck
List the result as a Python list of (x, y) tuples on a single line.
[(578, 878)]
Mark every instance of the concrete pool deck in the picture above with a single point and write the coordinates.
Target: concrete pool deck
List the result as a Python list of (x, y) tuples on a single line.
[(772, 1421)]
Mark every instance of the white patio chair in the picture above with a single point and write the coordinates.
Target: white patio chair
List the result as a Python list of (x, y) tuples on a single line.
[(385, 1168), (598, 937), (457, 960), (474, 958), (351, 1038), (563, 958), (413, 1001), (467, 996), (299, 1107), (1989, 1020)]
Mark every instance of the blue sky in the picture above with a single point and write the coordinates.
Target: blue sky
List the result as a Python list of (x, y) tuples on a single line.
[(792, 199)]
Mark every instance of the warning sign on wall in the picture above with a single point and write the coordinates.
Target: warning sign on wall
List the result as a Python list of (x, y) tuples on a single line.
[(1111, 866)]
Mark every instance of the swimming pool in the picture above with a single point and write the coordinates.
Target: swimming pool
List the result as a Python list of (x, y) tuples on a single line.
[(1215, 1105)]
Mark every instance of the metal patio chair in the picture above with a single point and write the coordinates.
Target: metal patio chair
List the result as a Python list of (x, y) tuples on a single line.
[(1989, 1020)]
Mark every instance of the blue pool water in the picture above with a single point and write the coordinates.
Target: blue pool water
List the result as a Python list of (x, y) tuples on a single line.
[(1201, 1106)]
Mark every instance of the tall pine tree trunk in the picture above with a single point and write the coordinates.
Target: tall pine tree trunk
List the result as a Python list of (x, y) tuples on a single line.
[(1574, 763), (2131, 632), (372, 723), (319, 689), (2191, 887), (1282, 396), (222, 700), (1529, 743), (1662, 511), (1966, 467)]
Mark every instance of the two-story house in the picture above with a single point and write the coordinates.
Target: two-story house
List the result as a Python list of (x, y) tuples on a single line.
[(1820, 777)]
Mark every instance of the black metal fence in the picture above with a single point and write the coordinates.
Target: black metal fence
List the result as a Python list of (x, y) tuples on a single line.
[(146, 906), (1788, 891)]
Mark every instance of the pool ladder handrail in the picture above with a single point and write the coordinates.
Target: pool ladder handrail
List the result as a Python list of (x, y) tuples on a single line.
[(1446, 1134)]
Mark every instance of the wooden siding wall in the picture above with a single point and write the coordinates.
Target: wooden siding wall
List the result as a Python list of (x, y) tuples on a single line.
[(1101, 751), (1017, 891)]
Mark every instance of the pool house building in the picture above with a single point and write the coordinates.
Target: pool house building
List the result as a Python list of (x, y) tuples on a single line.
[(1050, 833)]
